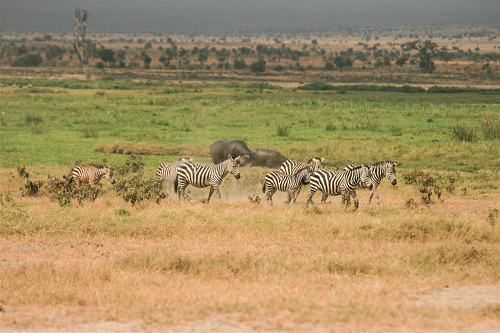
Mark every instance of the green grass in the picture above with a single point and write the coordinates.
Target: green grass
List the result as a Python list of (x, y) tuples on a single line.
[(61, 125)]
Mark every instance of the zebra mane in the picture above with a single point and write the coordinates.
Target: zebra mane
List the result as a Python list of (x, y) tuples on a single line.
[(314, 158), (302, 168), (352, 167), (384, 162)]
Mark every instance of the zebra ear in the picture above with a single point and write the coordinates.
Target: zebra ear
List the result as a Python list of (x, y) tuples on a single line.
[(323, 159), (395, 163), (229, 157)]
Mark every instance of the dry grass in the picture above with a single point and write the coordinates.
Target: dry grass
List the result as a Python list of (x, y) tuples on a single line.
[(170, 263)]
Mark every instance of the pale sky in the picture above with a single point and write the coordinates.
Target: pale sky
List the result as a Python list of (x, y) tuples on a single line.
[(169, 16)]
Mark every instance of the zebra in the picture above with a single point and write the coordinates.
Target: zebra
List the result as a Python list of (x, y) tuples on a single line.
[(29, 86), (342, 182), (380, 170), (204, 175), (291, 167), (167, 171), (90, 174), (276, 180)]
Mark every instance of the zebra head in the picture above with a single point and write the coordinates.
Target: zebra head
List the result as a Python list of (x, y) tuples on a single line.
[(109, 175), (316, 163), (186, 159), (366, 177), (304, 174), (390, 172), (232, 166)]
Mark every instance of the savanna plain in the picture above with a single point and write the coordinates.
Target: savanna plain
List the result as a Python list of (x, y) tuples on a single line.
[(127, 257)]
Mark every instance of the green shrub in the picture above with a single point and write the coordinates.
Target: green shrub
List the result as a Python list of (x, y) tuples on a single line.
[(21, 171), (30, 60), (133, 163), (136, 189), (31, 189)]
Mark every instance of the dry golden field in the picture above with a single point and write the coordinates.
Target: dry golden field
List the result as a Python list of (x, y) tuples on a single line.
[(240, 266)]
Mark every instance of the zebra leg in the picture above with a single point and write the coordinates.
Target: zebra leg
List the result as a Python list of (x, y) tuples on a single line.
[(216, 189), (324, 197), (356, 201), (346, 199), (372, 192), (293, 195), (181, 189), (269, 195), (210, 193), (312, 191)]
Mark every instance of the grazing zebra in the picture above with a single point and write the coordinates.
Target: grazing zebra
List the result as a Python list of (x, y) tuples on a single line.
[(29, 86), (276, 180), (342, 182), (380, 170), (91, 174), (167, 171), (204, 175), (291, 167)]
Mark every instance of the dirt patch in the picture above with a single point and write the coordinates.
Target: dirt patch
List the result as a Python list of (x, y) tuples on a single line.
[(464, 297)]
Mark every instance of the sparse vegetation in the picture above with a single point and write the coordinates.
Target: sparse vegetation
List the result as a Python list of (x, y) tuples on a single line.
[(169, 262)]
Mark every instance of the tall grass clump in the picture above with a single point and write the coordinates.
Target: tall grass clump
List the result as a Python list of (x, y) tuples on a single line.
[(31, 120), (490, 127), (330, 127), (463, 132), (283, 130)]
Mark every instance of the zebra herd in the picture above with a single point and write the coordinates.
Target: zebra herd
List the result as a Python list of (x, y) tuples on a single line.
[(290, 178)]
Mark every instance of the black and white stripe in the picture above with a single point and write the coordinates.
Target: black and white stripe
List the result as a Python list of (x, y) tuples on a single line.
[(343, 182), (378, 171), (204, 175), (277, 180), (91, 174), (167, 171), (291, 167)]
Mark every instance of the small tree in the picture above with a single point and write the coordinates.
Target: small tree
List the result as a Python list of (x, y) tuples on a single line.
[(80, 43), (339, 61), (402, 61), (106, 55), (147, 60), (428, 50), (259, 66), (329, 66)]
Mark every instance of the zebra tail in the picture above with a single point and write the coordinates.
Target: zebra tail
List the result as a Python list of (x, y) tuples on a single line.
[(264, 187), (176, 183), (70, 179)]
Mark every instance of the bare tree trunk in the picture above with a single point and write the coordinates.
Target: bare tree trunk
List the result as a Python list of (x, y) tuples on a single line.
[(80, 43)]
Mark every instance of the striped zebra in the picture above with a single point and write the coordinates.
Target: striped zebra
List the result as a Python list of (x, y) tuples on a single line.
[(91, 174), (380, 170), (291, 167), (276, 180), (204, 175), (343, 182), (167, 171)]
